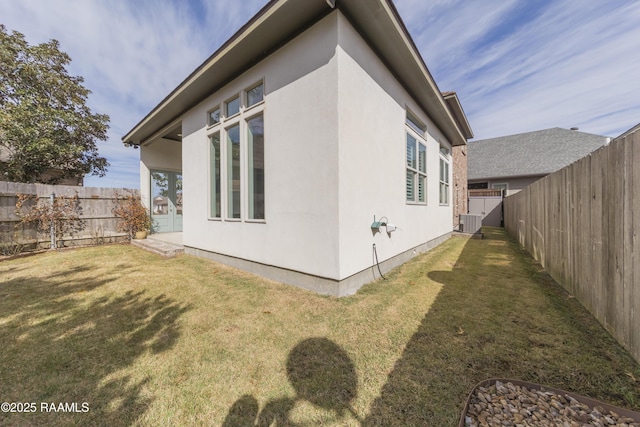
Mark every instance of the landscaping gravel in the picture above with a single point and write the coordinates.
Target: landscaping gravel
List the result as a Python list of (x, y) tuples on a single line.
[(504, 404)]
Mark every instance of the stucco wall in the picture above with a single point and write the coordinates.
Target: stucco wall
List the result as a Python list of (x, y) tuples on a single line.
[(373, 161), (301, 211), (335, 147), (459, 189)]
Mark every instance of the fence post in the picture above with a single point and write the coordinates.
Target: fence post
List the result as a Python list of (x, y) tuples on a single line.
[(52, 225)]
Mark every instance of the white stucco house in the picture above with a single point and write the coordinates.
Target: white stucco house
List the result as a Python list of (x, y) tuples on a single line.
[(278, 154)]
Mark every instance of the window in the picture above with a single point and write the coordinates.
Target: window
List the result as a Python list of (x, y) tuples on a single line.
[(255, 147), (416, 180), (232, 107), (444, 181), (233, 172), (478, 185), (237, 157), (416, 183), (255, 95), (216, 206), (415, 124), (213, 117), (502, 186)]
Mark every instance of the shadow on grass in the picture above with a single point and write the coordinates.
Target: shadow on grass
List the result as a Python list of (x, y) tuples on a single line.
[(321, 373), (499, 315), (62, 345)]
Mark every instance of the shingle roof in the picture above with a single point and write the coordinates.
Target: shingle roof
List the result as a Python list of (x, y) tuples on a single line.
[(532, 153)]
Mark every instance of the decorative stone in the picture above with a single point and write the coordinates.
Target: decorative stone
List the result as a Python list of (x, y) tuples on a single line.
[(509, 405)]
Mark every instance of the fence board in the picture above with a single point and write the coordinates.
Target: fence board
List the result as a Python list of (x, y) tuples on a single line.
[(628, 243), (582, 224), (95, 210), (634, 221), (585, 237), (565, 214), (616, 244)]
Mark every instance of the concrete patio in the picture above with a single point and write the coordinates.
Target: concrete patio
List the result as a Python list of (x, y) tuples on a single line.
[(165, 244)]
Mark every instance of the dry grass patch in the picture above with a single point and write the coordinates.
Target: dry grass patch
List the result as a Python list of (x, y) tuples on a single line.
[(184, 341)]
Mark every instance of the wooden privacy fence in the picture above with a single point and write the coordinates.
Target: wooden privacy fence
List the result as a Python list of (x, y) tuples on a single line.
[(95, 205), (582, 223)]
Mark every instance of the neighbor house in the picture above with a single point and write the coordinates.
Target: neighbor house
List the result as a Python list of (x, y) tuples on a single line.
[(312, 148), (512, 162)]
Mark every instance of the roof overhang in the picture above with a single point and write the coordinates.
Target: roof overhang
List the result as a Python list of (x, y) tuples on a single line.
[(377, 21), (453, 102)]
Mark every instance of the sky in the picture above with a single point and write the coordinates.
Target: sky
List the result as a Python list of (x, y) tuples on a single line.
[(517, 65)]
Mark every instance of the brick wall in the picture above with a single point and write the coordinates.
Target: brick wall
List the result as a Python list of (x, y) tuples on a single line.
[(459, 183)]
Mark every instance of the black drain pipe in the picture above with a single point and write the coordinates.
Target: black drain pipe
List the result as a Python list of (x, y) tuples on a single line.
[(375, 253)]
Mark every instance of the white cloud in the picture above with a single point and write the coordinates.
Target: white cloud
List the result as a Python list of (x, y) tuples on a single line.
[(131, 54), (570, 64)]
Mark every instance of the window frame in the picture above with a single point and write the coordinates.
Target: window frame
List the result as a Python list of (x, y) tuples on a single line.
[(237, 96), (216, 200), (419, 176), (226, 168), (446, 183), (445, 151), (217, 108), (504, 186), (414, 123), (246, 95), (484, 185), (230, 169), (250, 197)]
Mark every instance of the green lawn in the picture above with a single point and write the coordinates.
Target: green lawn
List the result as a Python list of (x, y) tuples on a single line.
[(184, 341)]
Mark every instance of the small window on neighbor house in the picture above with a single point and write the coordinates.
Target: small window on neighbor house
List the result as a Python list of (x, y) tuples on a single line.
[(478, 185), (255, 95), (232, 107), (502, 186), (214, 117)]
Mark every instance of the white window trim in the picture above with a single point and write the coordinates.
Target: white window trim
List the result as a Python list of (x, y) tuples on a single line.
[(239, 119), (412, 121), (232, 124), (447, 155), (209, 124), (493, 184), (246, 95), (237, 96), (420, 140), (210, 176), (250, 114), (506, 187), (445, 158)]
